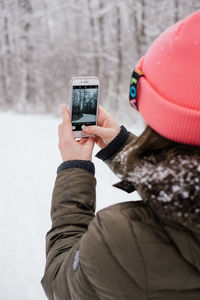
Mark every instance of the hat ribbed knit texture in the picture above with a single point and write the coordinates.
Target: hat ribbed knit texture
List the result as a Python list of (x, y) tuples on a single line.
[(169, 91)]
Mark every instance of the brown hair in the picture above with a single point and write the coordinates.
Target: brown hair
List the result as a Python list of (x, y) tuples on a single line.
[(151, 146)]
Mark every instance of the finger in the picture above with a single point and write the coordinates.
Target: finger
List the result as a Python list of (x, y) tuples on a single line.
[(103, 109), (60, 131), (102, 115), (97, 130), (82, 141), (65, 107), (65, 114), (67, 125)]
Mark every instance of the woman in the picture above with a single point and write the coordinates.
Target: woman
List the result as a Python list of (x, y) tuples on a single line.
[(148, 249)]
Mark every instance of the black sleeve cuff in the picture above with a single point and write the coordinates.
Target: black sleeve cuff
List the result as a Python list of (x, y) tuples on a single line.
[(82, 164), (115, 145)]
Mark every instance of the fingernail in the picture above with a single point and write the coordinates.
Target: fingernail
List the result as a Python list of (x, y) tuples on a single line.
[(85, 129)]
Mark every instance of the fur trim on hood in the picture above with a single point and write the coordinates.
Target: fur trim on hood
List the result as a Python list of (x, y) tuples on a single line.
[(172, 188)]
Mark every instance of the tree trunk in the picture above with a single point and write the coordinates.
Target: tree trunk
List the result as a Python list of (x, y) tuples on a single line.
[(94, 37), (176, 11), (25, 9)]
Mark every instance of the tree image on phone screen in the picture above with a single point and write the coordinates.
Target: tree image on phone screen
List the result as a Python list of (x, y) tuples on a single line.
[(84, 106)]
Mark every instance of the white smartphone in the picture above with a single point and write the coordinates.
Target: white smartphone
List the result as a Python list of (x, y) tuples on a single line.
[(84, 104)]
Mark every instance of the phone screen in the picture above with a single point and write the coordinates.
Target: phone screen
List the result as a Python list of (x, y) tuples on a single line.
[(84, 106)]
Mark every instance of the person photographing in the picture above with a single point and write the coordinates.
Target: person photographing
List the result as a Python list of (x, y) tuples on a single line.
[(147, 249)]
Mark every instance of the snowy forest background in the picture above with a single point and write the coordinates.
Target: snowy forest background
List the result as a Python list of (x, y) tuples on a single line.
[(43, 43)]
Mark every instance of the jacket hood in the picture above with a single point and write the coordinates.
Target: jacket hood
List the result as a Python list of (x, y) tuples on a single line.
[(171, 187)]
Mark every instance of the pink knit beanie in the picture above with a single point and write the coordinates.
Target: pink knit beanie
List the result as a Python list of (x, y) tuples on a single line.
[(168, 93)]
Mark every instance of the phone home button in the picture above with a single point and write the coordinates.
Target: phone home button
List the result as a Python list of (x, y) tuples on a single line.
[(82, 133)]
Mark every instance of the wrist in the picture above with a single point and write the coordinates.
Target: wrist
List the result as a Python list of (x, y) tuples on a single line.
[(115, 145), (115, 133), (75, 158), (82, 164)]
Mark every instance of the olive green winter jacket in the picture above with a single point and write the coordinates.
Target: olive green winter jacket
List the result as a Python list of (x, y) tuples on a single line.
[(125, 252)]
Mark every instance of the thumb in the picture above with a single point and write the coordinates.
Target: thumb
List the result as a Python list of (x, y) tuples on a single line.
[(97, 130)]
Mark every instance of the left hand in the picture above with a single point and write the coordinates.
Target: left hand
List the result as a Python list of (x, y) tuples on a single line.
[(70, 149)]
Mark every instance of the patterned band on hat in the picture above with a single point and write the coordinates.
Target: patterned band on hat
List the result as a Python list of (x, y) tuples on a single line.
[(133, 88), (168, 93)]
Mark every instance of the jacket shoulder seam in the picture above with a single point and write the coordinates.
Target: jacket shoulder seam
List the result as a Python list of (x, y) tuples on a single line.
[(88, 281), (145, 271), (123, 205), (114, 257)]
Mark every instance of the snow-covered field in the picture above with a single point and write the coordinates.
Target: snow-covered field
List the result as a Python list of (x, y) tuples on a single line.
[(29, 158)]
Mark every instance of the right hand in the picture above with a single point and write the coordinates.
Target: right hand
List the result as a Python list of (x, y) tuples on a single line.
[(106, 130)]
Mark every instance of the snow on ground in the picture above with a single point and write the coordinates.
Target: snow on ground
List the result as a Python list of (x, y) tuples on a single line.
[(29, 158)]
